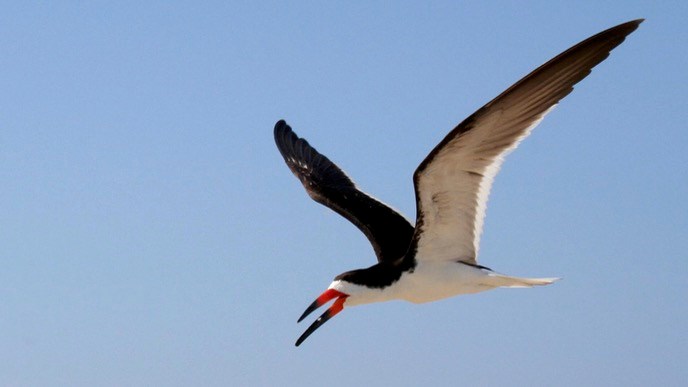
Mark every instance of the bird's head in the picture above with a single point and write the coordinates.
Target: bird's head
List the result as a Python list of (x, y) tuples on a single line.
[(346, 290), (352, 288)]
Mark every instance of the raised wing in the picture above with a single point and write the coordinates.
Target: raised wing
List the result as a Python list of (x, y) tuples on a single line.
[(452, 184), (388, 231)]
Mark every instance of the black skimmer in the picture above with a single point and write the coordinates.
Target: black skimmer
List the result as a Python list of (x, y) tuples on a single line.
[(437, 258)]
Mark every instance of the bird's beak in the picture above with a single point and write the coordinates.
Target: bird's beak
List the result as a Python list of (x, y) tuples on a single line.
[(336, 307)]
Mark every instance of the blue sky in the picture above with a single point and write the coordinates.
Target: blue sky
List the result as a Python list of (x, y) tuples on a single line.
[(151, 234)]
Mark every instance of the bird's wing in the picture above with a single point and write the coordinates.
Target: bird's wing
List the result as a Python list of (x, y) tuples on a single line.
[(452, 184), (388, 231)]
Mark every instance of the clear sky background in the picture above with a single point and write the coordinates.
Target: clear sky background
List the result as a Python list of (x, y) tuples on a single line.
[(150, 233)]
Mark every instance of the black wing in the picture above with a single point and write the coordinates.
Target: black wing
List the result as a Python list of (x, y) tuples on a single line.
[(388, 231)]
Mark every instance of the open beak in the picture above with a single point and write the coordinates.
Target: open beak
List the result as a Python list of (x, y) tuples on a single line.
[(336, 307)]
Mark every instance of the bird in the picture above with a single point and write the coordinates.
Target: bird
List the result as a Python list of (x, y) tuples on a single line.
[(437, 257)]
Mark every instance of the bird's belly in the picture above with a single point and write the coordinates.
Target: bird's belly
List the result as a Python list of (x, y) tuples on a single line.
[(438, 280)]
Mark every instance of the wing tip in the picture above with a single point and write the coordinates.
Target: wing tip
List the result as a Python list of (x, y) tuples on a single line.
[(282, 127), (620, 31), (294, 148), (629, 26), (636, 22), (285, 138)]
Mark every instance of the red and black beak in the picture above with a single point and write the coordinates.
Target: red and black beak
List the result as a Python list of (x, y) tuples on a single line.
[(336, 307)]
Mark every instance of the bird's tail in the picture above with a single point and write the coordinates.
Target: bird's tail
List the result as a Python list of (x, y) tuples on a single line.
[(517, 282)]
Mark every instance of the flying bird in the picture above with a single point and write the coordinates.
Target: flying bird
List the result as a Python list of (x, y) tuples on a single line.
[(437, 258)]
